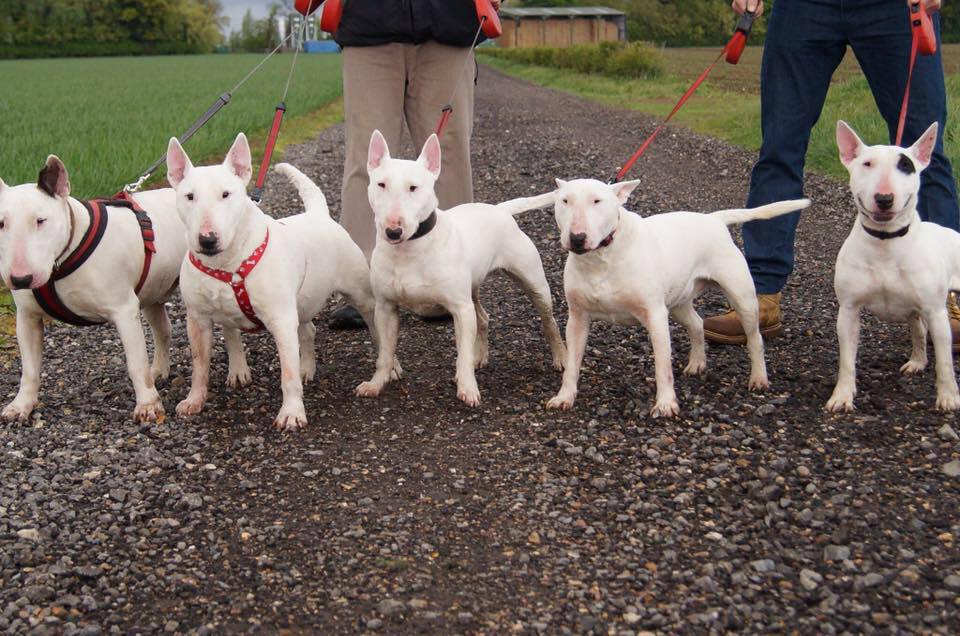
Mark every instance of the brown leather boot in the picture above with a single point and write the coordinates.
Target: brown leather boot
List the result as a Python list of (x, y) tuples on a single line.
[(726, 328), (954, 311)]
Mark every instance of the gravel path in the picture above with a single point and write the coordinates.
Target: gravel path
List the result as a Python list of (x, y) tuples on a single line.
[(412, 513)]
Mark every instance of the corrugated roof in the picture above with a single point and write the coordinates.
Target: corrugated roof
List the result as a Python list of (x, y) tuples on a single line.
[(558, 12)]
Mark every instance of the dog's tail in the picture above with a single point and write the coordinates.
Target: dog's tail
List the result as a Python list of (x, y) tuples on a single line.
[(312, 196), (516, 206), (735, 217)]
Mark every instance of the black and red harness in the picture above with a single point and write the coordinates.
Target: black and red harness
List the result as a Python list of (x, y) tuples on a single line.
[(237, 280), (47, 296)]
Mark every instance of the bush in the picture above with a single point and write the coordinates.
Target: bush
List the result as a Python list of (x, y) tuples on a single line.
[(615, 59)]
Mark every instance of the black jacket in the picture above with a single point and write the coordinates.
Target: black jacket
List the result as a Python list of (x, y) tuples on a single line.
[(373, 22)]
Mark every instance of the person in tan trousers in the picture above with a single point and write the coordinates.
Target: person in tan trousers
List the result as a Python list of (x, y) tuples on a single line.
[(403, 60)]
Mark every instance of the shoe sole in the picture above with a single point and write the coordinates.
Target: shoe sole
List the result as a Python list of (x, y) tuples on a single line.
[(767, 333)]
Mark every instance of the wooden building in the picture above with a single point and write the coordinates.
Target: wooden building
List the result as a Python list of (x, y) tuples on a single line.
[(560, 26)]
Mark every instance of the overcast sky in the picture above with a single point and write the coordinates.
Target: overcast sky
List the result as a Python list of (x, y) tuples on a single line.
[(234, 9)]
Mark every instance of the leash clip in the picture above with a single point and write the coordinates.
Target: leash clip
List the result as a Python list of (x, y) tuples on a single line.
[(130, 188)]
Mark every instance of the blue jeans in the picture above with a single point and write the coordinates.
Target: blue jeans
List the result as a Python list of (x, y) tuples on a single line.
[(806, 40)]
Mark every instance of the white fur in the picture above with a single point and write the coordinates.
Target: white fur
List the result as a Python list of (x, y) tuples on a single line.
[(653, 268), (446, 267), (308, 257), (903, 279), (36, 231)]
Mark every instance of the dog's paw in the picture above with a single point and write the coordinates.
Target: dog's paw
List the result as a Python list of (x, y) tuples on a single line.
[(291, 419), (913, 367), (160, 370), (241, 377), (469, 395), (191, 405), (18, 411), (481, 359), (560, 358), (665, 408), (148, 411), (840, 402), (696, 366), (368, 389), (396, 372), (758, 383), (948, 401), (306, 375), (560, 402)]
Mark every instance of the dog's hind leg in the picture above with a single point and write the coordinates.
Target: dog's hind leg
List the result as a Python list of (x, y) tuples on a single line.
[(918, 355), (687, 316), (159, 322), (238, 373), (482, 354), (527, 269), (307, 333), (938, 322), (738, 286)]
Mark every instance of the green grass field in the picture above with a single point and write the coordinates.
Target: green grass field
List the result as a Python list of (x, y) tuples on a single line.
[(727, 106), (110, 118)]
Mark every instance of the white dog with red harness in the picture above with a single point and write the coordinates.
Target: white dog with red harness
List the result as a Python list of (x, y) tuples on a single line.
[(246, 271), (87, 263)]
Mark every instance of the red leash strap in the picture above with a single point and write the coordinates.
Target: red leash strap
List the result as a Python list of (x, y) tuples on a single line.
[(257, 193), (925, 43), (237, 280), (683, 100)]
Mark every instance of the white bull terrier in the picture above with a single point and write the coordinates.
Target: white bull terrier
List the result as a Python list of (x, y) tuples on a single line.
[(630, 270), (247, 271), (89, 263), (427, 258), (895, 265)]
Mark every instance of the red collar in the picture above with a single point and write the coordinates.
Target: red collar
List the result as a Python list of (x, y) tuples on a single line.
[(237, 280), (606, 241)]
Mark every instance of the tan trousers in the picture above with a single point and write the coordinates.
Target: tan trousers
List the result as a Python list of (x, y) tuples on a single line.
[(387, 85)]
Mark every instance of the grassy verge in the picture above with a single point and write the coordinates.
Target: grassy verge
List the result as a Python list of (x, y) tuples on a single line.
[(723, 108)]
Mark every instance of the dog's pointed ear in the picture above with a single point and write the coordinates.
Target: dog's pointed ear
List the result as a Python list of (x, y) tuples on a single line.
[(2, 184), (377, 152), (922, 149), (178, 163), (848, 143), (623, 190), (560, 183), (53, 178), (238, 159), (430, 155)]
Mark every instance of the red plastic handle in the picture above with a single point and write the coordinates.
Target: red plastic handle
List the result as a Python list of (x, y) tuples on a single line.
[(922, 27), (306, 7), (330, 17), (735, 47), (489, 19)]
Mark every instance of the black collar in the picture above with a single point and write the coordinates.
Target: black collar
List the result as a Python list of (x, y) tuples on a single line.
[(425, 226), (606, 241), (883, 236)]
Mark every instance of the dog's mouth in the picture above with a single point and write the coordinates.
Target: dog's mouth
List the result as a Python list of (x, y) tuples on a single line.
[(210, 251), (579, 250), (880, 215)]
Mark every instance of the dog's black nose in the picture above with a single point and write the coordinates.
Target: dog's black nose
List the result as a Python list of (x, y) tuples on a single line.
[(578, 241), (208, 241), (884, 201), (394, 233), (21, 282)]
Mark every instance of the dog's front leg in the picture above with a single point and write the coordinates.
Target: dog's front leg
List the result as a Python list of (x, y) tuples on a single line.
[(578, 328), (30, 339), (200, 334), (292, 415), (655, 321), (465, 327), (918, 353), (387, 322), (238, 373), (848, 335), (149, 407), (938, 322)]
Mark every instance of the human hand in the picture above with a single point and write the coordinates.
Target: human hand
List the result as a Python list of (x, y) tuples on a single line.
[(740, 6), (496, 4)]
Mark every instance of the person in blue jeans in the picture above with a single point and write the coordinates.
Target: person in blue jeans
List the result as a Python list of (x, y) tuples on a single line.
[(805, 42)]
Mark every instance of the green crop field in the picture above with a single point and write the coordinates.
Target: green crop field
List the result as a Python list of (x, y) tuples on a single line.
[(727, 106), (110, 118)]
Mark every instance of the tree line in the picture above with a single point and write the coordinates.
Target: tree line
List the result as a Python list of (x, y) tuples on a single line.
[(702, 22), (56, 28)]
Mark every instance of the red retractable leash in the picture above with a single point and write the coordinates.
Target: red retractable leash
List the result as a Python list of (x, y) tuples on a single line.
[(731, 51), (924, 42)]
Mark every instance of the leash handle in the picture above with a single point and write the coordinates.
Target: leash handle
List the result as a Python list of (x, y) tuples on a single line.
[(922, 27), (738, 41), (257, 192)]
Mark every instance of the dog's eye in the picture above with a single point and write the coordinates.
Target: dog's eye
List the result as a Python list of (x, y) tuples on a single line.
[(226, 195), (413, 188), (565, 201), (596, 201), (867, 164), (190, 196), (1, 225), (382, 184), (40, 222)]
